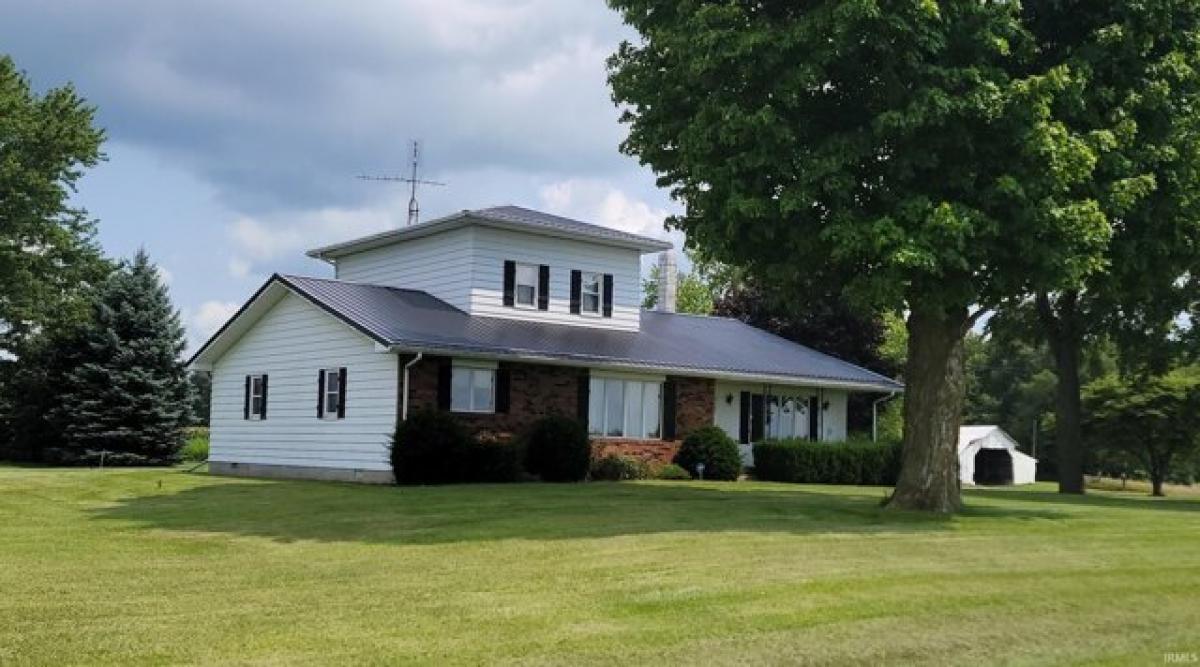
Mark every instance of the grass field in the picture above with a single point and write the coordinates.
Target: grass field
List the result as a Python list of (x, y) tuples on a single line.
[(153, 567)]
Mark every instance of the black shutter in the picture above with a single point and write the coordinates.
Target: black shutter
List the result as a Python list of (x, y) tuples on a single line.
[(814, 416), (321, 394), (510, 282), (341, 393), (583, 397), (263, 414), (503, 384), (543, 287), (668, 410), (246, 405), (445, 378), (608, 294), (576, 291), (756, 418), (744, 418)]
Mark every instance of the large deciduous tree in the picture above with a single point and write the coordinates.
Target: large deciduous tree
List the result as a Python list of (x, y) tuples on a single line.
[(909, 148), (47, 249), (1138, 71), (1154, 419)]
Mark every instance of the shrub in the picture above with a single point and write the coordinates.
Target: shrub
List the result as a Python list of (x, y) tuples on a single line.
[(614, 468), (195, 446), (712, 447), (558, 450), (430, 447), (670, 471), (854, 462), (492, 462)]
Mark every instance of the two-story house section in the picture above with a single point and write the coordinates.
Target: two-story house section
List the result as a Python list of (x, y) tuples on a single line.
[(500, 316)]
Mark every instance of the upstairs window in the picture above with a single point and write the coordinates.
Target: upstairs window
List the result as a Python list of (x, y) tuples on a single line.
[(589, 293), (527, 286)]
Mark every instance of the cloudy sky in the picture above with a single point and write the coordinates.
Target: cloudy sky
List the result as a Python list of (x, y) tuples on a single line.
[(235, 129)]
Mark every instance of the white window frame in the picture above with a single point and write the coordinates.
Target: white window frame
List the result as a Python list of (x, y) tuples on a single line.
[(472, 369), (584, 292), (599, 382), (533, 270), (257, 382), (328, 412)]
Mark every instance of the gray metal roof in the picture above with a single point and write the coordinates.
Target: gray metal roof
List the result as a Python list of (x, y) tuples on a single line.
[(415, 320), (508, 217)]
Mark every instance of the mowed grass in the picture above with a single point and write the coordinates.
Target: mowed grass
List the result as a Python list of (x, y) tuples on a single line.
[(158, 566)]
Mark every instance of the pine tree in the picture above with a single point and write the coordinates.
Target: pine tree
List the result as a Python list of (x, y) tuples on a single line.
[(129, 397)]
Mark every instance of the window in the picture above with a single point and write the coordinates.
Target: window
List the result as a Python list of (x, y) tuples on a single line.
[(619, 408), (256, 397), (589, 294), (332, 393), (472, 389), (527, 286)]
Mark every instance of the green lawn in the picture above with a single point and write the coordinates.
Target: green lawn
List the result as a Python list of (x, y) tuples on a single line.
[(159, 566)]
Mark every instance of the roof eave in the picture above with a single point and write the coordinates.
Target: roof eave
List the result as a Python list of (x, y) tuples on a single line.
[(617, 364), (332, 252)]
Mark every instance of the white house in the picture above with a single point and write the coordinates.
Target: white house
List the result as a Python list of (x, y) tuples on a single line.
[(988, 455), (501, 316)]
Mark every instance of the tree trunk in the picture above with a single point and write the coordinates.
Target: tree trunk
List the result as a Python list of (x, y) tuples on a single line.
[(1156, 486), (934, 388), (1063, 331)]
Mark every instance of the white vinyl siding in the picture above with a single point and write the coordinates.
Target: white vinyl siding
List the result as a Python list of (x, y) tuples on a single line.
[(292, 342), (439, 264), (493, 246)]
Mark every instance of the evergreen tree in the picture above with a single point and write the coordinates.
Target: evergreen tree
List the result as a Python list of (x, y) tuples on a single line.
[(130, 394)]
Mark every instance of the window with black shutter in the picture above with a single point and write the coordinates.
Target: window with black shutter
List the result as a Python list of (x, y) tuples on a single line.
[(608, 295), (331, 401), (255, 404)]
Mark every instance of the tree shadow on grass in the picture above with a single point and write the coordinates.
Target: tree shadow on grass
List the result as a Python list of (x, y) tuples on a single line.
[(323, 511), (1098, 499)]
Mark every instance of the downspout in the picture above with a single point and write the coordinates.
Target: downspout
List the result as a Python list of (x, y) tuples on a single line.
[(404, 400), (875, 415)]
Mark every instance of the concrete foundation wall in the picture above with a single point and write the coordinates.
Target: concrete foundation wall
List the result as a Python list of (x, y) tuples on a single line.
[(300, 472)]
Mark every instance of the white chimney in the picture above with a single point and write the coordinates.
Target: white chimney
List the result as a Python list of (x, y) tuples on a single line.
[(667, 275)]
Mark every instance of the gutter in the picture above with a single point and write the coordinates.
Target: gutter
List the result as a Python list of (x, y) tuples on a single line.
[(733, 376), (404, 400)]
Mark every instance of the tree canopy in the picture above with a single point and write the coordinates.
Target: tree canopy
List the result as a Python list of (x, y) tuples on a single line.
[(911, 149), (47, 250)]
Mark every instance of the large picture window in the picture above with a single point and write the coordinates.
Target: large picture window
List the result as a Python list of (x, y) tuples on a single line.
[(621, 408), (473, 389)]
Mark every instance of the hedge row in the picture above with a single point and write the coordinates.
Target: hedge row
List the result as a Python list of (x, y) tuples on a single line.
[(805, 462), (434, 448)]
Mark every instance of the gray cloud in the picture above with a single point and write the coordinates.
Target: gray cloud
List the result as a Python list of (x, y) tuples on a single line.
[(278, 104)]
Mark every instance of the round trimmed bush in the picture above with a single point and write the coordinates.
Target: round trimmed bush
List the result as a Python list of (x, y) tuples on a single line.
[(717, 451), (671, 471), (429, 448), (557, 449), (614, 468)]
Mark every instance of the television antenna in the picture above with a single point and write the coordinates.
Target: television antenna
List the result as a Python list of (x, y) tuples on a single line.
[(414, 210)]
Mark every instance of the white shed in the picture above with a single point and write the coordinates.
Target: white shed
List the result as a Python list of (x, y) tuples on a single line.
[(988, 455)]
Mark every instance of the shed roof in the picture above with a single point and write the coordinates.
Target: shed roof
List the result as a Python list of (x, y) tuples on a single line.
[(668, 342)]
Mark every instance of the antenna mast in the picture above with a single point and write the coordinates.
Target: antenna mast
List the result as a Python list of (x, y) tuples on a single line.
[(414, 209)]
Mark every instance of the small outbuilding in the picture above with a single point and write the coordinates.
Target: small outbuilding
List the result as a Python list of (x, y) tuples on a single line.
[(987, 455)]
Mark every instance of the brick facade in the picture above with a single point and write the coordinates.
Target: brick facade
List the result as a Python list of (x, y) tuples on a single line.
[(538, 390)]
